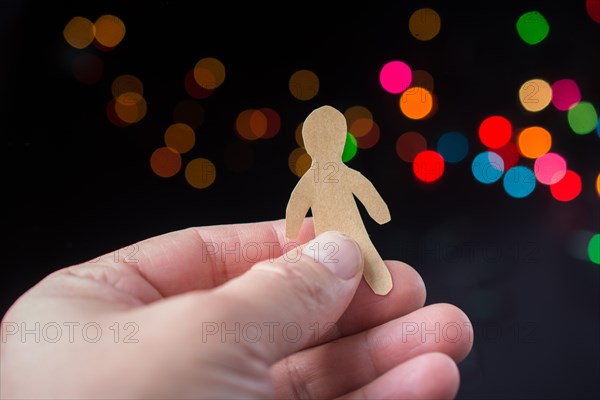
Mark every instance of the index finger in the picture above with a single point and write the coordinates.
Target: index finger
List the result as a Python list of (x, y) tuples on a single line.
[(205, 257)]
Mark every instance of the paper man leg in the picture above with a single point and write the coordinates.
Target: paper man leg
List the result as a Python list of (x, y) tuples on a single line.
[(376, 272)]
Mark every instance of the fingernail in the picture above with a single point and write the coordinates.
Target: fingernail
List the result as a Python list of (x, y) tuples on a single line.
[(337, 252)]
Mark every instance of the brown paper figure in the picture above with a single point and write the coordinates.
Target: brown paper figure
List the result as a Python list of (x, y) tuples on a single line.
[(328, 189)]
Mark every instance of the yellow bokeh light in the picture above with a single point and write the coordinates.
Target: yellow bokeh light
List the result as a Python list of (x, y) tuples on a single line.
[(424, 24), (298, 135), (209, 73), (79, 32), (534, 141), (180, 137), (598, 184), (130, 107), (299, 161), (416, 103), (370, 139), (110, 30), (304, 84), (361, 127), (303, 164), (535, 95), (127, 83), (358, 113), (200, 173), (242, 125), (258, 123), (251, 124)]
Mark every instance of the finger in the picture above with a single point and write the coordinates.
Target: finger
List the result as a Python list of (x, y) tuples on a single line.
[(194, 258), (368, 309), (289, 296), (428, 376), (337, 367)]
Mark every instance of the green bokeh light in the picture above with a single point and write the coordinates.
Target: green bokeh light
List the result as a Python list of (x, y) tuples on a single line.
[(350, 148), (583, 118), (532, 27), (594, 249)]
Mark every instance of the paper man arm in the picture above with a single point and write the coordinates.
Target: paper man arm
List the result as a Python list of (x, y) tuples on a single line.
[(364, 190), (298, 205)]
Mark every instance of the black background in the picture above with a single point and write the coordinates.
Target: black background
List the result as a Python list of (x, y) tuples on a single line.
[(76, 186)]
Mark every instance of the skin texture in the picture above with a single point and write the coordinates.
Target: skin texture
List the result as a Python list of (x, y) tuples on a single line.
[(196, 314)]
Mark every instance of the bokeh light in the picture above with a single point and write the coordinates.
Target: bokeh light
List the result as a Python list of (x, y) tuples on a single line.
[(582, 118), (510, 155), (189, 112), (112, 116), (424, 24), (165, 162), (258, 123), (299, 161), (251, 124), (126, 83), (88, 68), (298, 135), (410, 144), (532, 27), (361, 127), (519, 182), (395, 77), (593, 9), (209, 73), (598, 184), (495, 131), (416, 103), (550, 168), (567, 188), (594, 249), (193, 89), (239, 156), (130, 107), (180, 137), (79, 32), (304, 84), (487, 167), (355, 113), (428, 166), (534, 141), (200, 173), (273, 122), (535, 95), (453, 146), (565, 94), (350, 148), (110, 31), (370, 139), (422, 78)]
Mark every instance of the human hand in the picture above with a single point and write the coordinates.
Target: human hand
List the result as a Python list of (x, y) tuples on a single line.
[(192, 314)]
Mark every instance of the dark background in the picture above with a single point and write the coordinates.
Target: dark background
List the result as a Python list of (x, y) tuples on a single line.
[(76, 186)]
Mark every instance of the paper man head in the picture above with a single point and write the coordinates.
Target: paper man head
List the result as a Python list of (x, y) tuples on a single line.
[(324, 134)]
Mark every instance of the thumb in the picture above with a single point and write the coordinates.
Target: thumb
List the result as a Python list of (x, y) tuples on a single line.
[(283, 305)]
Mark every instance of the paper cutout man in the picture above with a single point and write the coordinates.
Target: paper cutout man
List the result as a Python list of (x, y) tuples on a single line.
[(328, 189)]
